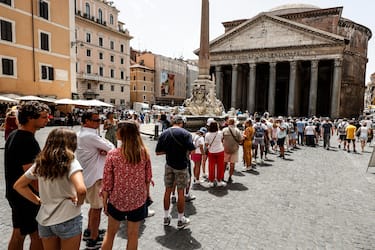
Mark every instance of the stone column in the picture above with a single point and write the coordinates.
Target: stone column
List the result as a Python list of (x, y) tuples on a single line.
[(272, 89), (292, 88), (313, 87), (251, 88), (234, 86), (336, 89), (218, 77)]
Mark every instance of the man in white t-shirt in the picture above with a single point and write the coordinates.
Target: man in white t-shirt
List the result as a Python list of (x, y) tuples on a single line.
[(91, 153)]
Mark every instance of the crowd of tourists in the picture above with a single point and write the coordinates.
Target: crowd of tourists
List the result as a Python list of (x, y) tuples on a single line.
[(219, 144), (46, 187)]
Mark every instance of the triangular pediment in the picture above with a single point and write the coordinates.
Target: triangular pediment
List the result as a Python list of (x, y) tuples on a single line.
[(265, 31)]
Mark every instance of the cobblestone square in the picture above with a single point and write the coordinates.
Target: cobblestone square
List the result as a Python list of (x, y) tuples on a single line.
[(316, 199)]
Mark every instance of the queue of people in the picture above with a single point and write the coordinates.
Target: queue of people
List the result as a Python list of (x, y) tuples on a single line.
[(46, 188)]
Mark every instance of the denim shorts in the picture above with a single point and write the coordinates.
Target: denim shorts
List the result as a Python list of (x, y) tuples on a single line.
[(65, 230)]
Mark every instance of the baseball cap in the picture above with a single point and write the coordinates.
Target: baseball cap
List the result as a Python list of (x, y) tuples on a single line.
[(202, 130), (178, 119)]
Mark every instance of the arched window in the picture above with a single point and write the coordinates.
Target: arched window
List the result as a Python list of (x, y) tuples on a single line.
[(87, 10), (111, 19), (100, 15)]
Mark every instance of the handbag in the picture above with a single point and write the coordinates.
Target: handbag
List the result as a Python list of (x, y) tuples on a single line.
[(358, 132), (206, 149)]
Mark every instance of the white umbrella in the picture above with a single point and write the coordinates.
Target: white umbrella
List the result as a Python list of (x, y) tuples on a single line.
[(32, 98), (4, 99), (66, 101), (97, 103)]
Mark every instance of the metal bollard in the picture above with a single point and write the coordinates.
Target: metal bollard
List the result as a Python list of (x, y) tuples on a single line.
[(156, 131)]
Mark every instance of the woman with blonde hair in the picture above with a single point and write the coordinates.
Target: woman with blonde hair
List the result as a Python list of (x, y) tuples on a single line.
[(126, 184), (248, 135), (61, 191)]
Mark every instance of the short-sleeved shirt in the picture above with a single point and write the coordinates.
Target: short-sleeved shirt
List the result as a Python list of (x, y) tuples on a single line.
[(327, 127), (350, 132), (176, 147), (232, 137), (198, 141), (56, 207), (214, 140), (21, 148), (282, 133), (126, 182), (89, 145)]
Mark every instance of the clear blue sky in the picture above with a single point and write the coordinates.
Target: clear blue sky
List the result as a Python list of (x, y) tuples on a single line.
[(172, 27)]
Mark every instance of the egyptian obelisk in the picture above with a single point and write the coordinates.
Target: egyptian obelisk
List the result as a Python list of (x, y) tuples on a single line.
[(204, 53), (203, 100)]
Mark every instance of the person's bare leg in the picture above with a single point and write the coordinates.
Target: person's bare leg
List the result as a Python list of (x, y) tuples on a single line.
[(16, 240), (133, 232), (112, 229), (94, 222)]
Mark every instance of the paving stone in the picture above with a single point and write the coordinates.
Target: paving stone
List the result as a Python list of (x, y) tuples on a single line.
[(317, 199)]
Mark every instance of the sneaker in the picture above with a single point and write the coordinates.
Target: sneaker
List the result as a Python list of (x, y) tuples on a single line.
[(205, 176), (189, 198), (262, 161), (167, 220), (183, 223), (339, 145), (94, 244), (174, 199), (230, 180), (221, 184), (211, 184), (87, 234), (150, 213)]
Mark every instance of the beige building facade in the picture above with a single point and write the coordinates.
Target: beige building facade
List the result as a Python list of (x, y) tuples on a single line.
[(35, 47), (295, 60), (169, 77), (141, 84), (102, 48)]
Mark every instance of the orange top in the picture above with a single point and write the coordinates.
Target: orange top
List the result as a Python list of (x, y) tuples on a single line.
[(350, 132)]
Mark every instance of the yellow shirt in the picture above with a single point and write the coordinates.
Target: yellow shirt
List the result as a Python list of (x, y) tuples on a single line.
[(350, 132)]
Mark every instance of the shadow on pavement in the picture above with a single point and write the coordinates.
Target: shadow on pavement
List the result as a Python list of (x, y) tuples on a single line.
[(237, 173), (178, 239), (264, 165), (218, 191), (236, 186), (251, 171), (123, 229), (189, 209)]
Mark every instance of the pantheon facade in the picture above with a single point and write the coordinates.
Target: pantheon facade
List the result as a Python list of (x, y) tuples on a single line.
[(295, 60)]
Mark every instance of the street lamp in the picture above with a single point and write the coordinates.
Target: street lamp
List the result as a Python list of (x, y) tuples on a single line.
[(74, 43)]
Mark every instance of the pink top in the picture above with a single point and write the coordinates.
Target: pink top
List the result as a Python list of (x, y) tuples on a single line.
[(125, 182)]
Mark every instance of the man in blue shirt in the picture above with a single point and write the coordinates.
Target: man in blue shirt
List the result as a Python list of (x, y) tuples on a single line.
[(176, 143)]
